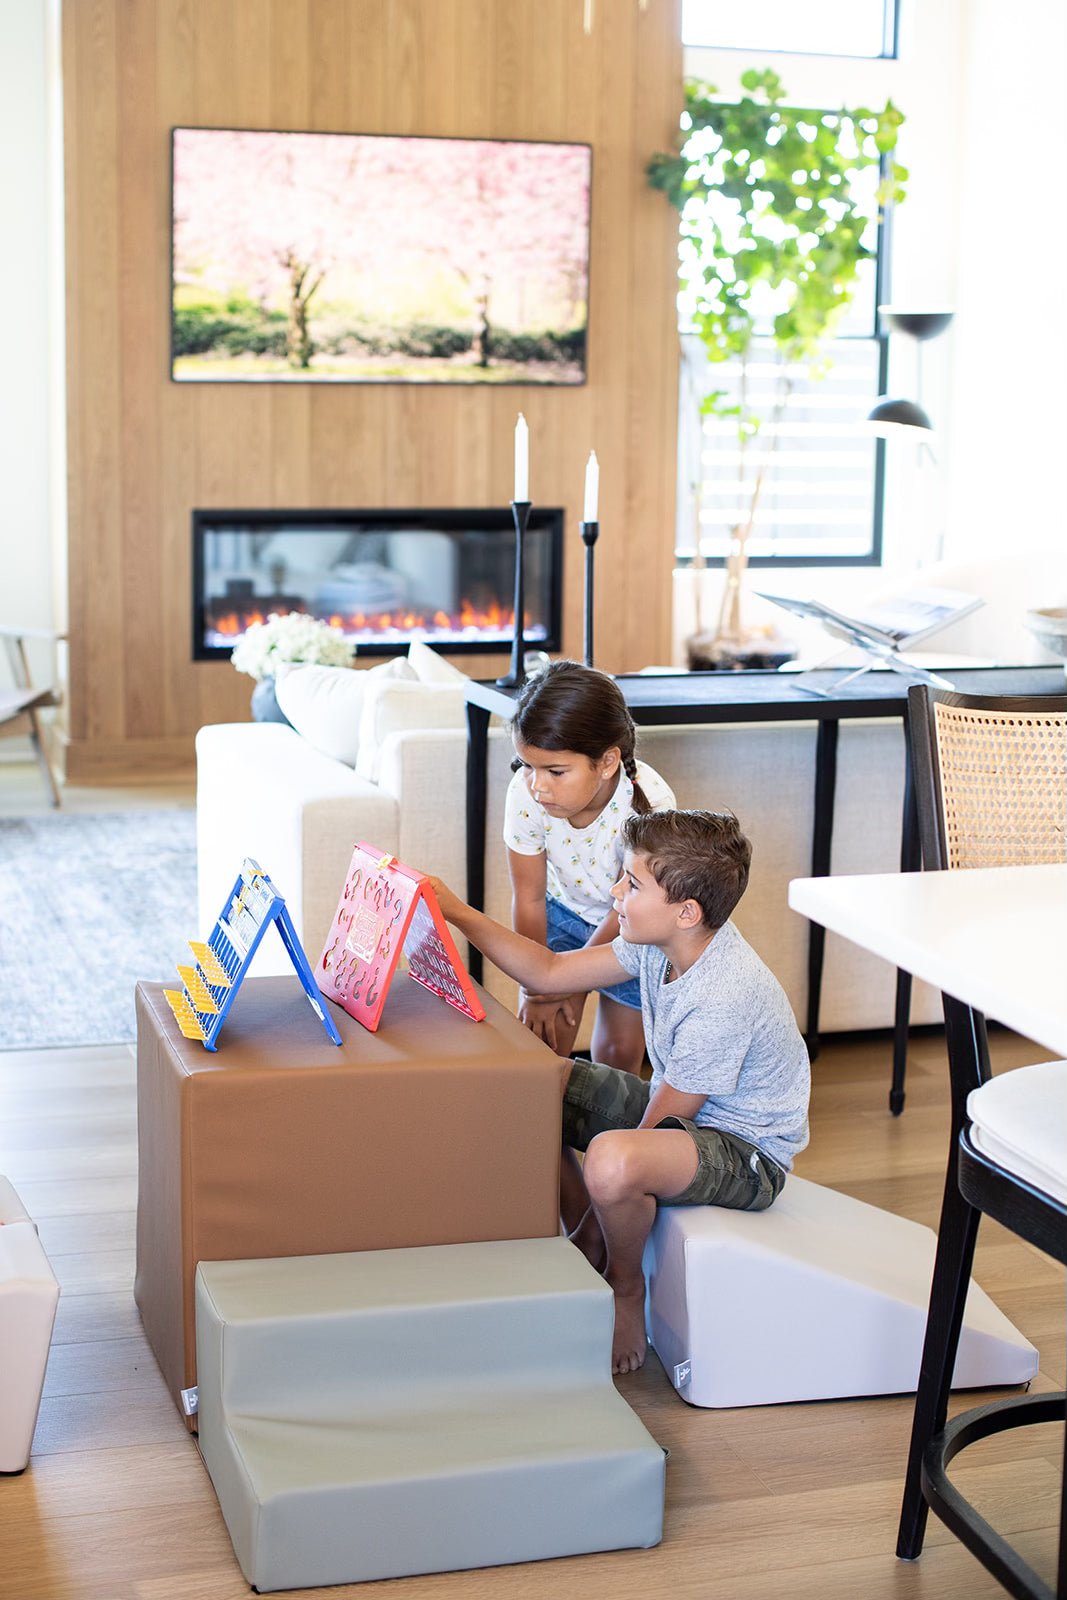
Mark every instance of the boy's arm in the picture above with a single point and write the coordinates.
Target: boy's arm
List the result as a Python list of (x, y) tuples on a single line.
[(540, 970), (670, 1102)]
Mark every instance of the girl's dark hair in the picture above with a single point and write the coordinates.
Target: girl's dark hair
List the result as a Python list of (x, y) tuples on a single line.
[(572, 707)]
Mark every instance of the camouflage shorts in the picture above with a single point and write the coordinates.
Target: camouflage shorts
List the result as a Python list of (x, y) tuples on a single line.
[(730, 1171)]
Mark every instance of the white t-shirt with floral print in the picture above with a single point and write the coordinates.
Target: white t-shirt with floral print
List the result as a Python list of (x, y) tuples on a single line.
[(583, 863)]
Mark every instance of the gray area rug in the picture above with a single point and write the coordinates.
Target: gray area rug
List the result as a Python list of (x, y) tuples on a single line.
[(89, 904)]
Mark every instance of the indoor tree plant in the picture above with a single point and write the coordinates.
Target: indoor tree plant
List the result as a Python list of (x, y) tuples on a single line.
[(772, 240)]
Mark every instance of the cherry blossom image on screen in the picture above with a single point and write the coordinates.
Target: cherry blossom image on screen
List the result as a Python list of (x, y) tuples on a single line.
[(366, 258)]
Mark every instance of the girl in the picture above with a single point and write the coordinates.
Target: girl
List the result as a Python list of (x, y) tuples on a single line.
[(576, 781)]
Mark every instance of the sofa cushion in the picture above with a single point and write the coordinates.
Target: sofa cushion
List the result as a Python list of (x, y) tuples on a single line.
[(325, 704), (400, 706), (429, 667)]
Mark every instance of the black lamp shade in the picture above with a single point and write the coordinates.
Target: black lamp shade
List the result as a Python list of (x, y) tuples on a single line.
[(899, 413), (920, 324)]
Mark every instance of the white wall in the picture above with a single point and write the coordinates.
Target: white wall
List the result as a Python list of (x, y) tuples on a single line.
[(32, 465)]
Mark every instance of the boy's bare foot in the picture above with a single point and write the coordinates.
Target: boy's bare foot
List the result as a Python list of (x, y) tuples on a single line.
[(629, 1345)]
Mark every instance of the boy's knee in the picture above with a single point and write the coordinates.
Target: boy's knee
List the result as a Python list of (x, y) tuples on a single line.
[(608, 1167)]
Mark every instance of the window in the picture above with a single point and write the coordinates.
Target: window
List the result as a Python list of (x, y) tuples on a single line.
[(812, 468), (820, 27)]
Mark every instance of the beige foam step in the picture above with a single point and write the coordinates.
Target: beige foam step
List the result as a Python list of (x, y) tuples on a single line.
[(391, 1412)]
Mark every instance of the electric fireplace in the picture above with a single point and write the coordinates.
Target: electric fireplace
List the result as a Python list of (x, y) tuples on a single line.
[(382, 577)]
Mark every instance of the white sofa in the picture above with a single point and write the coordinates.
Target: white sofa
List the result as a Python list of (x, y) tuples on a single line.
[(265, 790)]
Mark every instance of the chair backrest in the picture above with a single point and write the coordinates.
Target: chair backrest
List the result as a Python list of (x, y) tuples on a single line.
[(991, 777)]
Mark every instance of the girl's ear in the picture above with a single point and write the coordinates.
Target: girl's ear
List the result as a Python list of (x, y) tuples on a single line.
[(610, 760)]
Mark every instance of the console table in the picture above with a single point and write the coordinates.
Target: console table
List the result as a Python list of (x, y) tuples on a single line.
[(673, 699)]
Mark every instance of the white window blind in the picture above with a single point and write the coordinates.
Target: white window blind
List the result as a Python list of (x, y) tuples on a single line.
[(820, 462)]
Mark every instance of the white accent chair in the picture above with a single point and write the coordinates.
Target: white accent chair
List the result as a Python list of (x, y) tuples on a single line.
[(29, 1294)]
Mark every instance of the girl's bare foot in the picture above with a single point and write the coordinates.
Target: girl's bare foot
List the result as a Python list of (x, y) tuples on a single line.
[(629, 1345)]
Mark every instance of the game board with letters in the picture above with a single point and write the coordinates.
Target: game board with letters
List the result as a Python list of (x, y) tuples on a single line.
[(387, 911)]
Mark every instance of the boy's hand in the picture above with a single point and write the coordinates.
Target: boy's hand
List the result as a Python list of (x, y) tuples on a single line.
[(449, 903)]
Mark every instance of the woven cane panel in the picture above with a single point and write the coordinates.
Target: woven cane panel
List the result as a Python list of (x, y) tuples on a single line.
[(1003, 786)]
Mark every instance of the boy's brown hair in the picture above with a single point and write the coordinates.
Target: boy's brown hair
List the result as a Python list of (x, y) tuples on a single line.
[(694, 855)]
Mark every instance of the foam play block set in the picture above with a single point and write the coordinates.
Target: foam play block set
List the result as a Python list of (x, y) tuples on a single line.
[(830, 1297), (391, 1412), (29, 1294)]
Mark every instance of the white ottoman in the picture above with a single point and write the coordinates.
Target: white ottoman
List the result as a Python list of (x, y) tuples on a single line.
[(29, 1294), (821, 1296)]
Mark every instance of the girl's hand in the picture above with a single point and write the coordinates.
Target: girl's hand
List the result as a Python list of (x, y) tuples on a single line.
[(553, 1018)]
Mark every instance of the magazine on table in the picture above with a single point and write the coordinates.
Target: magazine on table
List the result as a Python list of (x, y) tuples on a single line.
[(888, 626)]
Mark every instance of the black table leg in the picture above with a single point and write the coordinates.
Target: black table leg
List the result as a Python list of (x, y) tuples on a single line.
[(822, 836), (910, 861), (477, 800)]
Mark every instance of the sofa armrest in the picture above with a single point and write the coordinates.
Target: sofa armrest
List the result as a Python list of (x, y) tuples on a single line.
[(263, 791)]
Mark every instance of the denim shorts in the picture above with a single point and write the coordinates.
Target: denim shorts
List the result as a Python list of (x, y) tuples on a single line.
[(730, 1171), (568, 931)]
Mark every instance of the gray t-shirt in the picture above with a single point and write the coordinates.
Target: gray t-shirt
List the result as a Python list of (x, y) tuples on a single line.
[(725, 1029)]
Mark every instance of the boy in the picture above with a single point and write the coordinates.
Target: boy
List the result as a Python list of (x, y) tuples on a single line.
[(726, 1110)]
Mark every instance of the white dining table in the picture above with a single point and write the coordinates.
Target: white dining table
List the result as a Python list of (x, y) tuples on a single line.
[(995, 937)]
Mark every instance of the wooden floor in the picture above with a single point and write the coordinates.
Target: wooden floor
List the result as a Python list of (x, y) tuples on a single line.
[(775, 1503)]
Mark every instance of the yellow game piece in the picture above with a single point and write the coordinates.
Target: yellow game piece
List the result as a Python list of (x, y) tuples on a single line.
[(210, 965), (184, 1015), (198, 991)]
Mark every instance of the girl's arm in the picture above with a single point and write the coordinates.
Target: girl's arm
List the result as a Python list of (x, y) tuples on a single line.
[(538, 969), (529, 881), (554, 1019)]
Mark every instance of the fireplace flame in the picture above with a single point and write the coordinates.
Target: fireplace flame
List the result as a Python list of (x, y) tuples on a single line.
[(489, 625)]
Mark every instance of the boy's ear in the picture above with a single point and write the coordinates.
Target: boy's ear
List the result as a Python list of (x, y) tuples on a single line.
[(690, 914)]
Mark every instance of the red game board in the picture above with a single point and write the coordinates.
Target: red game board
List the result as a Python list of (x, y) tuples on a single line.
[(386, 909)]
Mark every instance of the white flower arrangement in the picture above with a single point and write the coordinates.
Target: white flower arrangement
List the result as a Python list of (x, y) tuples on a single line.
[(289, 636)]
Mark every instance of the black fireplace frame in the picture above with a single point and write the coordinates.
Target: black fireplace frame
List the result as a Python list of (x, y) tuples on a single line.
[(546, 523)]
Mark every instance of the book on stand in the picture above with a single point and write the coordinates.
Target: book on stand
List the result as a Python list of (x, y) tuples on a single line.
[(884, 630)]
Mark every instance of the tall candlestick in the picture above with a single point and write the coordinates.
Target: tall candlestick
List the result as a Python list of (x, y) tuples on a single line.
[(590, 530), (522, 460), (592, 487)]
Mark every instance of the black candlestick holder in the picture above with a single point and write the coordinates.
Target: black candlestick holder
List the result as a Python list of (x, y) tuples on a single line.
[(520, 511), (590, 530)]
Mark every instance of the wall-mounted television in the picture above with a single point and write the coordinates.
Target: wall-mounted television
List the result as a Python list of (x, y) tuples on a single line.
[(368, 258)]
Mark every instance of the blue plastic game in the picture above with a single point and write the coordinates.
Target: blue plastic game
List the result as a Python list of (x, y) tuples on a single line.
[(208, 989)]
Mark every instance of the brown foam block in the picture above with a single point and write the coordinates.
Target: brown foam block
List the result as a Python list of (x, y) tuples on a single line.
[(434, 1130)]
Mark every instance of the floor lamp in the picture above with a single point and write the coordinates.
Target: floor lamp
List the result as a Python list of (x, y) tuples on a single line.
[(889, 415)]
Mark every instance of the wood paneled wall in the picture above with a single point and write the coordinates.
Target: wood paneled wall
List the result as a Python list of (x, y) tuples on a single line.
[(143, 451)]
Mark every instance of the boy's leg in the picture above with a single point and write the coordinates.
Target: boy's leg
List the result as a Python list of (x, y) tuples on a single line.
[(625, 1173)]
